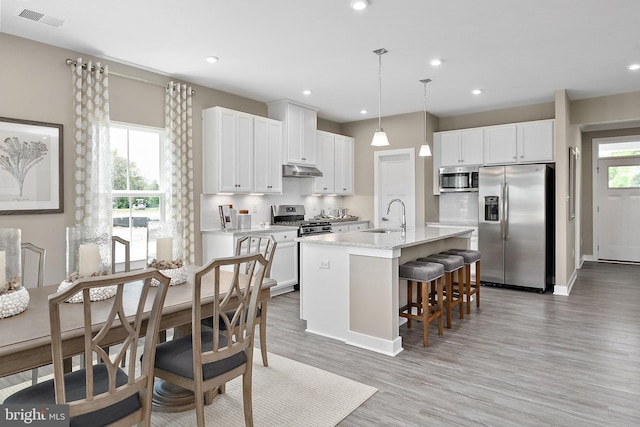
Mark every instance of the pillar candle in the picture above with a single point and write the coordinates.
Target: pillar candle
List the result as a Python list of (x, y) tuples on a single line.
[(164, 249), (3, 268), (89, 259)]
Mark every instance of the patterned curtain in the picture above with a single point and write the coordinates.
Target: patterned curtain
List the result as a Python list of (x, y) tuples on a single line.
[(92, 179), (179, 164)]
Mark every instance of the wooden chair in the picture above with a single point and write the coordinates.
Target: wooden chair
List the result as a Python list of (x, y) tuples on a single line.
[(266, 245), (103, 393), (427, 277), (453, 290), (127, 253), (210, 357), (31, 252), (470, 256)]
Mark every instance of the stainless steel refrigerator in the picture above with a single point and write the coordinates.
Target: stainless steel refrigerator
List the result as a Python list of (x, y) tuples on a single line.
[(516, 225)]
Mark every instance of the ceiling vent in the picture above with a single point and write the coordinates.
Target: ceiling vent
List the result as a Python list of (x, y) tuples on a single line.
[(40, 17)]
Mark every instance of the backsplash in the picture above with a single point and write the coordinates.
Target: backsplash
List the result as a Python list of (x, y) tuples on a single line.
[(259, 206), (459, 207)]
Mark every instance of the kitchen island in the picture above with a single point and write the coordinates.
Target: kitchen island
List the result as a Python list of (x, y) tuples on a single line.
[(349, 281)]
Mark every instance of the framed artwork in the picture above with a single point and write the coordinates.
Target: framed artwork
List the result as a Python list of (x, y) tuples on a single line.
[(30, 167), (573, 158)]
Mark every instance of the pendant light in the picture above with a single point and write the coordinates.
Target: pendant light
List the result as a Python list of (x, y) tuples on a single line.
[(425, 150), (380, 137)]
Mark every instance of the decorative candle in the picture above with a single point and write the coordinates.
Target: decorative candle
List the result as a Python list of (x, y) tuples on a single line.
[(89, 259), (164, 249), (3, 268)]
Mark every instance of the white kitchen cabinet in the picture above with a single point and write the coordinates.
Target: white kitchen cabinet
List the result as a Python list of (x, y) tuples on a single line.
[(500, 144), (325, 161), (284, 267), (335, 161), (343, 167), (535, 141), (461, 147), (339, 228), (267, 159), (300, 123), (227, 151), (527, 142), (359, 226)]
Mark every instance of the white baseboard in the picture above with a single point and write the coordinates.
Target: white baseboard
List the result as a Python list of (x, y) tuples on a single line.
[(566, 290)]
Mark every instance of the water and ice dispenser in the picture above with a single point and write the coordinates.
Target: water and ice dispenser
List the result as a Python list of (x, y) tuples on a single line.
[(492, 208)]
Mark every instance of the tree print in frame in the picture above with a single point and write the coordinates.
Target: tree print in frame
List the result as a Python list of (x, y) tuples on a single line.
[(30, 167)]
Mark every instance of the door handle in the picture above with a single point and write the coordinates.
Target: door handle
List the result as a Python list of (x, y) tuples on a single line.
[(384, 218), (506, 211), (501, 211)]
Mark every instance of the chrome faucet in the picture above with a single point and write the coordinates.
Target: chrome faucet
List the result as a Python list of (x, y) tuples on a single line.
[(403, 224)]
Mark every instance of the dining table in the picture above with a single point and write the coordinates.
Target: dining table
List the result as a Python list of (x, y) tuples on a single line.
[(25, 339)]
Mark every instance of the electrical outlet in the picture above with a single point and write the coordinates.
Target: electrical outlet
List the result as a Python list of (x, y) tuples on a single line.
[(324, 263), (255, 209)]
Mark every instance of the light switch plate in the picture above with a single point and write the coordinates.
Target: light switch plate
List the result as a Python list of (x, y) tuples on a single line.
[(324, 263)]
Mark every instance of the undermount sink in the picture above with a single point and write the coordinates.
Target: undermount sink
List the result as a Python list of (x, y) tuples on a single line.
[(381, 230)]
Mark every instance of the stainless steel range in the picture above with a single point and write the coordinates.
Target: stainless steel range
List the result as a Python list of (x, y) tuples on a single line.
[(293, 215)]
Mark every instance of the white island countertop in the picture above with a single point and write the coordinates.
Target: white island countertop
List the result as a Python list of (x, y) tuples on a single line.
[(394, 240)]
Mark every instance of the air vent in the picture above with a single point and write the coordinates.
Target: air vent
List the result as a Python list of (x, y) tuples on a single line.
[(32, 15)]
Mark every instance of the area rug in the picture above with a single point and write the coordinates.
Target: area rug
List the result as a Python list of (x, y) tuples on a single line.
[(286, 393)]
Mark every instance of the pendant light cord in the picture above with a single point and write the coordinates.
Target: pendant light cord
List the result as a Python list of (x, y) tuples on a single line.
[(425, 81), (379, 91)]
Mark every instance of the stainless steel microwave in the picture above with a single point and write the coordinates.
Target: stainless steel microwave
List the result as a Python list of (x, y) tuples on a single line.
[(459, 179)]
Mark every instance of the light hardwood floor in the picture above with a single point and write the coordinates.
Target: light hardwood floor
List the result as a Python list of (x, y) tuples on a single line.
[(522, 359)]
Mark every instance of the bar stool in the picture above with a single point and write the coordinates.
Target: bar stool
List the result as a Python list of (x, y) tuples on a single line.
[(453, 291), (470, 256), (425, 275)]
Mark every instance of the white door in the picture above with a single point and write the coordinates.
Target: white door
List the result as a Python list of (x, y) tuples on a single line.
[(619, 209), (394, 179)]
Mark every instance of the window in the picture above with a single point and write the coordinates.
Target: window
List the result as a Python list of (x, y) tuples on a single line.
[(619, 149), (138, 186), (624, 176)]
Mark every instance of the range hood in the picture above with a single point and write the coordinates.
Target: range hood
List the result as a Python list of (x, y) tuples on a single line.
[(297, 171)]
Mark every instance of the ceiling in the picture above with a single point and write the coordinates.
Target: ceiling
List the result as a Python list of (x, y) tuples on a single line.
[(517, 52)]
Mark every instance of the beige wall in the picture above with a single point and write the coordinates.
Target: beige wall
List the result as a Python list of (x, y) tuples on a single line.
[(499, 117), (404, 131)]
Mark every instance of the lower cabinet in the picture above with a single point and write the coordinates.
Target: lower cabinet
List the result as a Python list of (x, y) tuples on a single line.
[(284, 268), (341, 227)]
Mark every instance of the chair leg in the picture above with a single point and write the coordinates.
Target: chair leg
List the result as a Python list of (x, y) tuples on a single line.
[(478, 283), (34, 376), (263, 333), (199, 403), (461, 286), (440, 304), (448, 279), (246, 398), (409, 301), (425, 314)]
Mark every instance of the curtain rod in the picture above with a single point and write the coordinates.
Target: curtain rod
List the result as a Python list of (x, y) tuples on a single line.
[(114, 73)]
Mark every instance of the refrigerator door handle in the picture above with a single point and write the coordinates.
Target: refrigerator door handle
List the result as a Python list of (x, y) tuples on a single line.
[(505, 200), (502, 211)]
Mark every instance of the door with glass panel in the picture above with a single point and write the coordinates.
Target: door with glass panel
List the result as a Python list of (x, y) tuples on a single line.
[(618, 209)]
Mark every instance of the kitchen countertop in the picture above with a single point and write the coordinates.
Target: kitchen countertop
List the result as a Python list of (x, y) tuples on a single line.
[(454, 223), (254, 229), (388, 241)]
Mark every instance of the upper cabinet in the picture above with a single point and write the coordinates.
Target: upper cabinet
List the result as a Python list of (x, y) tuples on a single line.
[(241, 153), (535, 141), (227, 151), (527, 142), (299, 131), (335, 161), (461, 147), (325, 156), (267, 155), (343, 167)]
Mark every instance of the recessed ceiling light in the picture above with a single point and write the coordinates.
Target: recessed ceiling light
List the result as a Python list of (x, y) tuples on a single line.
[(212, 59), (476, 91), (435, 62), (359, 4), (634, 67), (363, 111), (306, 92)]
